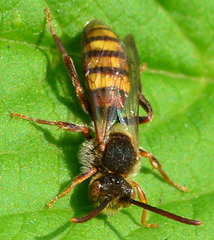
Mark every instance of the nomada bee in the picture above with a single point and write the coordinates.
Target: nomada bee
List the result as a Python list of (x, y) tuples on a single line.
[(112, 77)]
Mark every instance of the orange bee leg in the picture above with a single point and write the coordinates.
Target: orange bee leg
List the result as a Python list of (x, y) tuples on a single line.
[(79, 179), (69, 65), (142, 198), (63, 125), (147, 107), (155, 163)]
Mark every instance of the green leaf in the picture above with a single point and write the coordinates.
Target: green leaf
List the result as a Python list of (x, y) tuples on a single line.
[(175, 39)]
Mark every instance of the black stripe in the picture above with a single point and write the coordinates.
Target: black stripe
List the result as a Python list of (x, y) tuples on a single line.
[(103, 53), (105, 38), (112, 70), (98, 28), (103, 90), (108, 89)]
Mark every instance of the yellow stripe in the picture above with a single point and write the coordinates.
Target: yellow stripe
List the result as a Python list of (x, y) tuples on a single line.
[(103, 45), (102, 80), (101, 32), (104, 61)]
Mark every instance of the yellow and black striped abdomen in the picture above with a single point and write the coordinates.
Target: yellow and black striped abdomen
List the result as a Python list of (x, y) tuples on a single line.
[(104, 62)]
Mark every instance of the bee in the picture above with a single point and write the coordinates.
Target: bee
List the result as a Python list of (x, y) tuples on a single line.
[(112, 77)]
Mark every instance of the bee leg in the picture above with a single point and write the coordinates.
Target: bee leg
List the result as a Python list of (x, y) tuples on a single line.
[(155, 163), (79, 179), (63, 125), (147, 107), (70, 66), (142, 198)]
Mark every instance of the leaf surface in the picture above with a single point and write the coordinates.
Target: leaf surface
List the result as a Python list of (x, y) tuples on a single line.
[(176, 40)]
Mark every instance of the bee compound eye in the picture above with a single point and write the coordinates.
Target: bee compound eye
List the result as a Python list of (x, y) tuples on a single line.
[(133, 194), (94, 191)]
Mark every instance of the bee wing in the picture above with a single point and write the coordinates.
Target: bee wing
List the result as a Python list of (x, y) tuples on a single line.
[(112, 75), (130, 114), (107, 76)]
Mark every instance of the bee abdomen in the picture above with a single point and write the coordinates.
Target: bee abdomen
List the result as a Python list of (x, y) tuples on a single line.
[(104, 61)]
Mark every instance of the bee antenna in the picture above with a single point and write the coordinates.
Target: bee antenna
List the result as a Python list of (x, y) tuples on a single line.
[(93, 213), (165, 213)]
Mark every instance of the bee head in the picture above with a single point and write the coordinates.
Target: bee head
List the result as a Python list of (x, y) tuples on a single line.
[(112, 192), (113, 187)]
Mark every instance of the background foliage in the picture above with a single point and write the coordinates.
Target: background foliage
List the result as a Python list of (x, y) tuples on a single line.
[(176, 40)]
